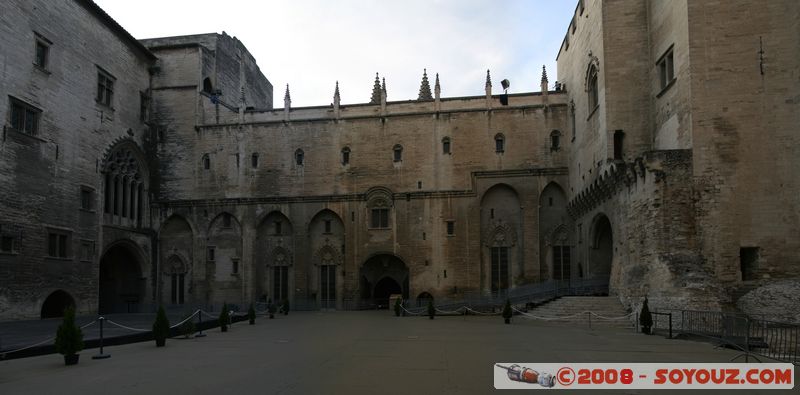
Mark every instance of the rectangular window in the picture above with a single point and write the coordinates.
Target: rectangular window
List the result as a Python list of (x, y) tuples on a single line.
[(451, 228), (748, 260), (6, 244), (87, 198), (87, 250), (211, 253), (666, 70), (144, 106), (105, 88), (226, 220), (380, 218), (254, 161), (42, 52), (619, 139), (499, 269), (24, 117), (234, 266), (58, 244), (327, 226), (277, 228), (561, 263)]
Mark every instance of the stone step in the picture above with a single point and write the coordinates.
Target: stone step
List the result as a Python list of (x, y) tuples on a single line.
[(574, 306)]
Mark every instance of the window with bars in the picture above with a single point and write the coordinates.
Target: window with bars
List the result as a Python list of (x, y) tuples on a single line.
[(24, 117), (499, 269), (380, 218), (105, 88), (58, 244), (561, 263)]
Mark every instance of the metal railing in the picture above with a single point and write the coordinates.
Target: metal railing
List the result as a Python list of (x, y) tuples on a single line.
[(774, 340)]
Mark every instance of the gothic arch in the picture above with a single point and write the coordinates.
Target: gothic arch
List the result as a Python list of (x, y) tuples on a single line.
[(501, 251), (126, 183)]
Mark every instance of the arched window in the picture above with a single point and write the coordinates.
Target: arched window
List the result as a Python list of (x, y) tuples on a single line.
[(446, 145), (207, 87), (299, 156), (499, 143), (591, 88), (345, 156), (398, 153), (206, 162), (254, 160), (555, 140)]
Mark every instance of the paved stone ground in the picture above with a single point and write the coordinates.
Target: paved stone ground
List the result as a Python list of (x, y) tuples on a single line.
[(345, 353)]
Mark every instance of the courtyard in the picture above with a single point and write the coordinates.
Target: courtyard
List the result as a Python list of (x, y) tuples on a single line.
[(345, 353)]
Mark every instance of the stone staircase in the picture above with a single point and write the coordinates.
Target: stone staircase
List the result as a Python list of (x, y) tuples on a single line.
[(569, 306)]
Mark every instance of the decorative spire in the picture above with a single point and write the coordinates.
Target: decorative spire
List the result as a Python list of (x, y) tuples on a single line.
[(425, 87), (488, 85), (376, 91), (383, 90), (437, 89), (336, 98), (544, 75), (287, 98)]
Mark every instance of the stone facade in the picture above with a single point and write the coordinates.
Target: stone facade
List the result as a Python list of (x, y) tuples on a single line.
[(663, 162)]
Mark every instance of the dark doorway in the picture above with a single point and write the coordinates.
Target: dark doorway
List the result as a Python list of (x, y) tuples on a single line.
[(381, 276), (423, 299), (385, 288), (56, 303), (121, 281), (602, 251)]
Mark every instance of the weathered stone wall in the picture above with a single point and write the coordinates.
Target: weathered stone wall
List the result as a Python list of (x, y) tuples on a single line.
[(41, 176), (744, 130)]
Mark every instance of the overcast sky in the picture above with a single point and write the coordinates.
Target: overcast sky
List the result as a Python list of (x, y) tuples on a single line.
[(312, 44)]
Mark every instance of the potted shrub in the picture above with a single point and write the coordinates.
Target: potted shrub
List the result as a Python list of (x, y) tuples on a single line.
[(161, 327), (69, 338), (272, 308), (286, 307), (507, 313), (397, 307), (251, 314), (645, 318), (431, 309), (188, 328), (224, 317)]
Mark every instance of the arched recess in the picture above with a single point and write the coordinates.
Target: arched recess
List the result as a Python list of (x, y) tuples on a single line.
[(122, 281), (176, 248), (601, 250), (125, 185), (556, 241), (224, 257), (382, 274), (56, 303), (274, 260), (326, 238), (423, 299), (501, 221)]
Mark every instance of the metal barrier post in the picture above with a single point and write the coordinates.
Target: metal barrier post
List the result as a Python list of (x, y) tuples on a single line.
[(200, 316), (670, 325), (101, 355)]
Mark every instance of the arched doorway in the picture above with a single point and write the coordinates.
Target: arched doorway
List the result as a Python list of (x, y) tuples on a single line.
[(121, 282), (501, 221), (56, 303), (602, 248), (385, 288), (423, 299), (381, 276)]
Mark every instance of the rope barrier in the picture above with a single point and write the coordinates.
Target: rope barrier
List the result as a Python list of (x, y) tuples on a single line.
[(480, 312), (612, 318), (456, 311), (126, 327), (48, 340), (185, 319)]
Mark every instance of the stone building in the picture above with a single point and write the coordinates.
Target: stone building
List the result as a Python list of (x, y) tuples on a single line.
[(137, 173)]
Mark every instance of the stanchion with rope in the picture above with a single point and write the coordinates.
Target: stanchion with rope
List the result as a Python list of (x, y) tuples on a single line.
[(200, 324), (101, 355)]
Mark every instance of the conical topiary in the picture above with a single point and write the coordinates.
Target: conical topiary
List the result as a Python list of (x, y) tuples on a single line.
[(251, 314), (645, 317), (69, 338), (507, 313), (224, 317), (431, 309), (161, 327)]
